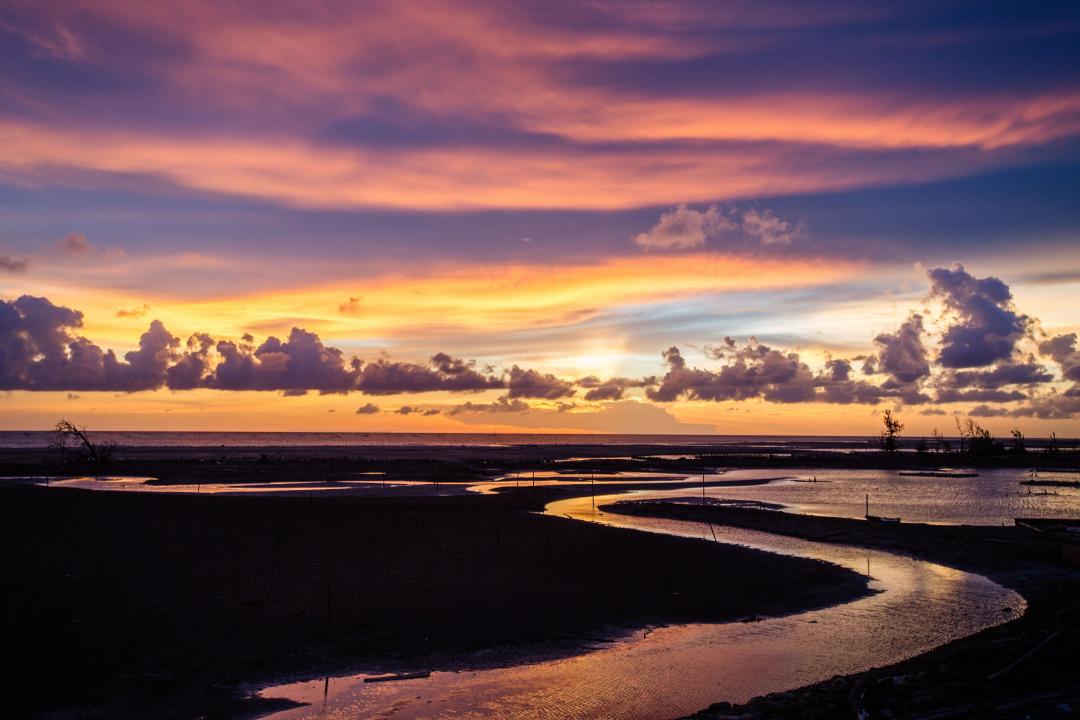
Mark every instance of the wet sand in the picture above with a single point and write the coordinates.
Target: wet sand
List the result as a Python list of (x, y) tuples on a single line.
[(143, 605)]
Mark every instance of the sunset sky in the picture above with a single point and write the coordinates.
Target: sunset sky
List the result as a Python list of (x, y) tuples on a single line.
[(739, 217)]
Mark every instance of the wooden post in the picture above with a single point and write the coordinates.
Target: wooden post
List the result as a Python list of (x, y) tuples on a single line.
[(329, 602)]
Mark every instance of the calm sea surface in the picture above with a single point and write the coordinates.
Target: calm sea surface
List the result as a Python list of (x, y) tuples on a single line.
[(35, 438)]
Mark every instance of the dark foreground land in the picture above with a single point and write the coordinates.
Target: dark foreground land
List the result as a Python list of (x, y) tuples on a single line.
[(162, 606), (1028, 668)]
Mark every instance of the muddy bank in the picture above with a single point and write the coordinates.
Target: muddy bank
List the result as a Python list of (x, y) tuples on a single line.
[(131, 604), (1026, 668)]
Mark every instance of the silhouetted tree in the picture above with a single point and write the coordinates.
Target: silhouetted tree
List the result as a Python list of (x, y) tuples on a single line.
[(960, 431), (70, 440), (1018, 445), (980, 440), (890, 436)]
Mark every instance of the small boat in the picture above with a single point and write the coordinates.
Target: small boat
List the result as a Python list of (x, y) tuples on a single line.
[(1057, 538), (1069, 526), (399, 676), (878, 518), (1051, 483)]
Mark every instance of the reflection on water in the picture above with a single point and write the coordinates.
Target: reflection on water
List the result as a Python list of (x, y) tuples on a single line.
[(304, 488), (668, 672), (994, 497), (548, 478)]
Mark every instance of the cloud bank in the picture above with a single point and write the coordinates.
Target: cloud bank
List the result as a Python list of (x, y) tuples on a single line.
[(985, 351)]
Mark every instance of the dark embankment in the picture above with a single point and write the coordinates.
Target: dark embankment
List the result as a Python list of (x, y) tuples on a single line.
[(1024, 669), (153, 606)]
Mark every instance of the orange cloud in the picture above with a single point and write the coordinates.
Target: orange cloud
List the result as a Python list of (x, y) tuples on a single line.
[(608, 147)]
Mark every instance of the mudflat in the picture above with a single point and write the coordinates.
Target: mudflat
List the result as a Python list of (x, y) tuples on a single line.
[(138, 604)]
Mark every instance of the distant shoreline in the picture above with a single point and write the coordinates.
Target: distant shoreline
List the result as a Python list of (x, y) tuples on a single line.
[(237, 439)]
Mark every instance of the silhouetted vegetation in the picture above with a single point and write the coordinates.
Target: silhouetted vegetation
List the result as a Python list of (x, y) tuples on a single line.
[(979, 440), (1018, 445), (890, 436), (941, 444), (74, 444)]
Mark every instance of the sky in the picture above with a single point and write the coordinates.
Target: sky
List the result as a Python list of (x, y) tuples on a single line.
[(680, 217)]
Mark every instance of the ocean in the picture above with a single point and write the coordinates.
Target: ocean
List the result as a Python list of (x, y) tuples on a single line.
[(136, 438)]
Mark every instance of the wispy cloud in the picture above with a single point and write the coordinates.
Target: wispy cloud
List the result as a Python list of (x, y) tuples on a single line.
[(426, 110)]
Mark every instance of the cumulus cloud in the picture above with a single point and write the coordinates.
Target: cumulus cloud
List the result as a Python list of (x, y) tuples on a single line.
[(765, 227), (985, 326), (302, 362), (1062, 349), (533, 384), (978, 359), (902, 354), (368, 409), (1023, 373), (952, 395), (504, 404), (752, 371), (442, 372), (188, 370), (40, 350), (1056, 406), (612, 388), (986, 411), (755, 370), (683, 228)]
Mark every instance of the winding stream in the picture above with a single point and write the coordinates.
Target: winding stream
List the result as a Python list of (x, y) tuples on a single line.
[(677, 670)]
